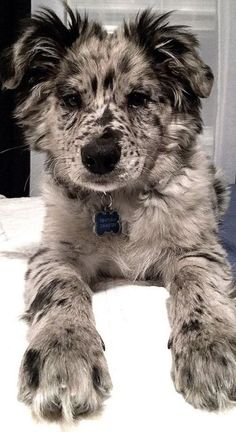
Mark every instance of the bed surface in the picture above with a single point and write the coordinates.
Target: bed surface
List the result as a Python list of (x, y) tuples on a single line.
[(133, 323)]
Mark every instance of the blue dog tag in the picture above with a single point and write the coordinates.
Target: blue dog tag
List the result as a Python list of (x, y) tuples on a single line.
[(106, 222)]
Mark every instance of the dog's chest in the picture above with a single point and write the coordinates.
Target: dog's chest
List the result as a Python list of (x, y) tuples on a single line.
[(152, 224), (140, 239), (149, 228), (126, 221)]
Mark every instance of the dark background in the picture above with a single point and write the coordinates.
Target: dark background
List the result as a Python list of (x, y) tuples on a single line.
[(15, 163)]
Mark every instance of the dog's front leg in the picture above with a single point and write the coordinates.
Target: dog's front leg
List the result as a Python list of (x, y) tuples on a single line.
[(63, 372), (203, 340)]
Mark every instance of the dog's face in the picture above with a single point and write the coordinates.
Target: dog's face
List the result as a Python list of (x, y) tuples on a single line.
[(107, 109)]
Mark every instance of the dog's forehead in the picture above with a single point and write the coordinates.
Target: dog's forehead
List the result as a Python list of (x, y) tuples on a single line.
[(102, 62)]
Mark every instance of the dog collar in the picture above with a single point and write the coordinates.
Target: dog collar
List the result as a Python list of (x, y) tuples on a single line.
[(107, 221)]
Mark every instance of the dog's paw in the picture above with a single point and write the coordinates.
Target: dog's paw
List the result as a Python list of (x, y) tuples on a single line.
[(204, 370), (63, 376)]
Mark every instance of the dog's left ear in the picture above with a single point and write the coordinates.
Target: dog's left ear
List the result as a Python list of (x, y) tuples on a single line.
[(42, 43), (173, 48)]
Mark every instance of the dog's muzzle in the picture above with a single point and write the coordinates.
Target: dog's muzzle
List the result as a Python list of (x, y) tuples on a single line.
[(101, 155)]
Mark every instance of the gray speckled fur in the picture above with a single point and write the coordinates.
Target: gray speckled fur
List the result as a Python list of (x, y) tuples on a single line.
[(170, 199)]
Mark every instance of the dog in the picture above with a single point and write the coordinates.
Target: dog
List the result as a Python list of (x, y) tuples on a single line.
[(129, 193)]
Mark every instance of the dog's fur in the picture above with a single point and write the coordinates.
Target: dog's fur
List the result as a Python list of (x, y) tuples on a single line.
[(169, 196)]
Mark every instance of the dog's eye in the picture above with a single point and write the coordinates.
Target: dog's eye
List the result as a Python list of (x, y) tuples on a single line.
[(137, 99), (72, 101)]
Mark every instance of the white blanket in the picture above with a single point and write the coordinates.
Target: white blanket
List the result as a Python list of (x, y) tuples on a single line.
[(133, 323)]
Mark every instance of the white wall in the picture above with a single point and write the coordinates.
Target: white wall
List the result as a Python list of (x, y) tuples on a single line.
[(225, 148), (53, 4)]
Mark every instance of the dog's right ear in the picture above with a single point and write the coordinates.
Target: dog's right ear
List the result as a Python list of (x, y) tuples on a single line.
[(42, 43)]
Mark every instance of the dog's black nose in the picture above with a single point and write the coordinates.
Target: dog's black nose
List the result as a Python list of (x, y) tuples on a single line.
[(101, 155)]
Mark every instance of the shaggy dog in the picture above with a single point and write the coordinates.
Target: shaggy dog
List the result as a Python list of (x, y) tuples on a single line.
[(129, 193)]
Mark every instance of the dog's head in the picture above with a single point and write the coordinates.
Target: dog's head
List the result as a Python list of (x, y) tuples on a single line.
[(108, 109)]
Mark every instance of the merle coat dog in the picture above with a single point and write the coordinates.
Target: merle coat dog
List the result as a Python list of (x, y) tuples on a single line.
[(128, 193)]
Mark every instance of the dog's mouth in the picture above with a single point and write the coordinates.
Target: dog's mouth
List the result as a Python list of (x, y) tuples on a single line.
[(106, 164), (102, 183), (120, 177)]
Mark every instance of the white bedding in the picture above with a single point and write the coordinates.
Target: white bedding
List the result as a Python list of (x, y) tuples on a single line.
[(133, 323)]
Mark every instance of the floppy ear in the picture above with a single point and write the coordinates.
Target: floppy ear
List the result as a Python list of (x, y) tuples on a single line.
[(183, 61), (173, 48), (39, 49)]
